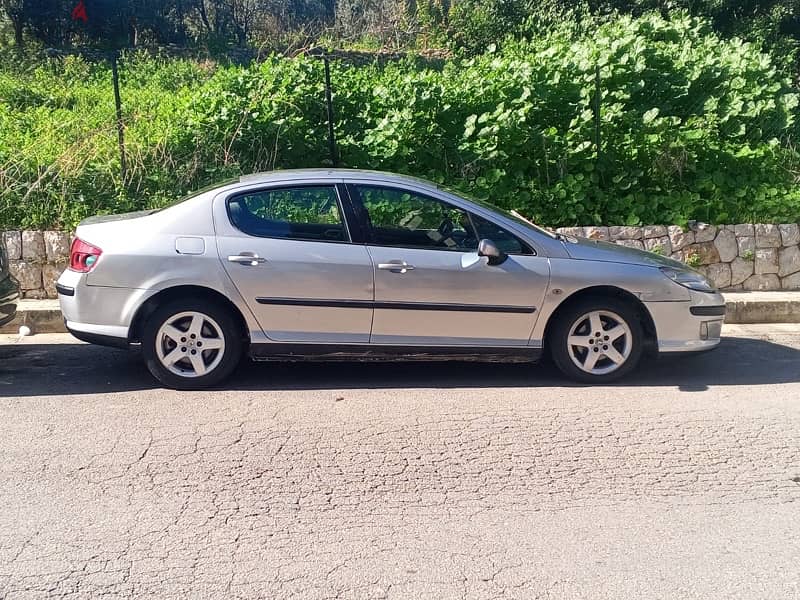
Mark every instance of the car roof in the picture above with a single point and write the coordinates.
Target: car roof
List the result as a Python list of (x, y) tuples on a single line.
[(289, 174)]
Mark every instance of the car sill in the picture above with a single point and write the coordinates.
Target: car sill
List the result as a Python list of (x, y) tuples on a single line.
[(287, 352)]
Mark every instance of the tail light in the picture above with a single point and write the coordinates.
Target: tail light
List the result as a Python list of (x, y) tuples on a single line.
[(83, 256)]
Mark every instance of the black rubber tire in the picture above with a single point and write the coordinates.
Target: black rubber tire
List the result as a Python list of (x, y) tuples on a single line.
[(231, 331), (559, 349)]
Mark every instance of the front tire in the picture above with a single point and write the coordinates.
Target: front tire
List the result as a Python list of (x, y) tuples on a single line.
[(191, 344), (597, 340)]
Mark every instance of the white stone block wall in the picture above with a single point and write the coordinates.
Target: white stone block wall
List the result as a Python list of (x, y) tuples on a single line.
[(36, 259), (734, 257)]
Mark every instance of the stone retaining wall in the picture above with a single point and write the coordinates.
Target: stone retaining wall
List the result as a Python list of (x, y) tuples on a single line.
[(735, 257), (37, 258)]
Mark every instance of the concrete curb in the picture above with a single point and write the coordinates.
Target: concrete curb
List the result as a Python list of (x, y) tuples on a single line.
[(762, 307), (44, 316)]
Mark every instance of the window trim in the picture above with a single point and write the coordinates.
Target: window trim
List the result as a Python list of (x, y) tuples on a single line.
[(353, 197), (355, 226), (368, 232), (522, 243), (284, 187)]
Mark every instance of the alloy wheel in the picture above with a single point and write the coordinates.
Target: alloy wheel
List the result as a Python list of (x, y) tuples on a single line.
[(190, 344), (599, 342)]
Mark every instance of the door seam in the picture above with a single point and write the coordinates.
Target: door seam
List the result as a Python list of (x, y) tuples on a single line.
[(374, 291)]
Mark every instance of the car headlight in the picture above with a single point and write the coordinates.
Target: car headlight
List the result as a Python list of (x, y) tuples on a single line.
[(689, 279)]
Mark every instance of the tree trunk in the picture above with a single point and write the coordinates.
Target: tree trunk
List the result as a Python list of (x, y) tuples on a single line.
[(133, 32), (201, 6), (19, 40)]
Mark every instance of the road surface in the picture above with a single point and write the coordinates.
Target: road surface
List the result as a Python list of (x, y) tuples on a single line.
[(401, 480)]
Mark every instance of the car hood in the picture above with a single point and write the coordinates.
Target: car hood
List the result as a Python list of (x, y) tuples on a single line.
[(585, 249)]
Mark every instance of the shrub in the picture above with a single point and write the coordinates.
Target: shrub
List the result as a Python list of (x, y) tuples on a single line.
[(690, 127)]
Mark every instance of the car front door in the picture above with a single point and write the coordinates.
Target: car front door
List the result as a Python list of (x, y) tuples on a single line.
[(431, 287), (289, 253)]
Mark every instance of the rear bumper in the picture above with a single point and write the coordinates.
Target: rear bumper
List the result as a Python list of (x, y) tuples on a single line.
[(101, 339), (9, 297), (98, 314)]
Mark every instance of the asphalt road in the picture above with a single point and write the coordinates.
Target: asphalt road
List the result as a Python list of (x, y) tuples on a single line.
[(401, 480)]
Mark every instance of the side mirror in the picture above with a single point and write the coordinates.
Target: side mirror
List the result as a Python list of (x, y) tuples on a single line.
[(490, 250)]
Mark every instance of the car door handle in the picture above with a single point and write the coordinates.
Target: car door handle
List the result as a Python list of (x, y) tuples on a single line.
[(247, 258), (397, 266)]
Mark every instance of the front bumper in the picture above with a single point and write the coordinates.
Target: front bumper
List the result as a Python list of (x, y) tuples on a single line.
[(9, 296), (691, 326)]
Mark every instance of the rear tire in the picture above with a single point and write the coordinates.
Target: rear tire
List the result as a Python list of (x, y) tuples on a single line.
[(597, 340), (191, 344)]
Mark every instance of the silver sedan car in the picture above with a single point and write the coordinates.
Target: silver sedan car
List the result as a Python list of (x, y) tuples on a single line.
[(358, 265)]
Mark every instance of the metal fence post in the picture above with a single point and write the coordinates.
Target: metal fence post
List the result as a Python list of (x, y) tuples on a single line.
[(596, 108), (329, 105), (120, 124)]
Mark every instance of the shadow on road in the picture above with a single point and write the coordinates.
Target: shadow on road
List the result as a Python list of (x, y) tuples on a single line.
[(69, 369)]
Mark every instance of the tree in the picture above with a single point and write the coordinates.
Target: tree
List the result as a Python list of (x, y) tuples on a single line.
[(15, 11)]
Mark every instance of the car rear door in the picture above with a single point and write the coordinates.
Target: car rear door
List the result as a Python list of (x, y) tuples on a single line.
[(288, 250), (431, 287)]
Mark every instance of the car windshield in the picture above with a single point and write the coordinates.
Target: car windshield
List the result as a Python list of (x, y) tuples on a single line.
[(508, 214)]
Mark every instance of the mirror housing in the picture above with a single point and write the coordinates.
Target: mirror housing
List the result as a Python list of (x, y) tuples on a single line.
[(490, 250)]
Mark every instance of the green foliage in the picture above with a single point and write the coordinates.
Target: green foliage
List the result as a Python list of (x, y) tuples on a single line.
[(774, 24), (59, 160), (690, 127), (477, 25), (693, 259)]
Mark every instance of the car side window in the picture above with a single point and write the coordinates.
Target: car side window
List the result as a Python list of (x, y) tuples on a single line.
[(297, 213), (505, 241), (397, 217)]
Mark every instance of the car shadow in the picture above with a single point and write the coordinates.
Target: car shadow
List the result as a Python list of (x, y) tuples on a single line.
[(73, 369)]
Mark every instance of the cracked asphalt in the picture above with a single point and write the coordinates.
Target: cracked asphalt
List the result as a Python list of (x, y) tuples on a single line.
[(401, 480)]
